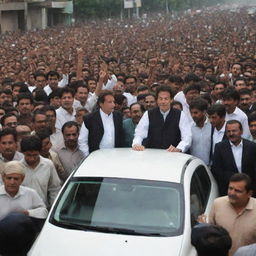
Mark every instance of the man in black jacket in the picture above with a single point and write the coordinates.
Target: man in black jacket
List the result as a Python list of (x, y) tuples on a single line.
[(232, 156), (102, 128)]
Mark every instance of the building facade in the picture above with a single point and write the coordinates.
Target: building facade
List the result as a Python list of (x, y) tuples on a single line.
[(34, 14)]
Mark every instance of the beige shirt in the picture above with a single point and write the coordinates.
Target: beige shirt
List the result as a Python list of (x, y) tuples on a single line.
[(241, 227), (70, 159), (59, 168), (44, 179)]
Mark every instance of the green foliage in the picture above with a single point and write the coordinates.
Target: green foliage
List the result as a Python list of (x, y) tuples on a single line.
[(111, 8)]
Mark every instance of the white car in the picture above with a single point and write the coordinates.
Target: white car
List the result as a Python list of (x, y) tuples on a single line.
[(125, 202)]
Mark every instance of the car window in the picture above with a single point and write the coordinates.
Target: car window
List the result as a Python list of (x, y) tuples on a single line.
[(200, 189), (121, 205)]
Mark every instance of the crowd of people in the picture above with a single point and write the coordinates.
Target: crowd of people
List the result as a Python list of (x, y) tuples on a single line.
[(184, 84)]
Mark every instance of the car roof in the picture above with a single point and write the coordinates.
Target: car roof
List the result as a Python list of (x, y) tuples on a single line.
[(150, 164)]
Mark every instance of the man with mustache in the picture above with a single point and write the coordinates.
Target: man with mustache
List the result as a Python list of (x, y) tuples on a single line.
[(236, 212), (8, 146), (235, 155), (70, 155)]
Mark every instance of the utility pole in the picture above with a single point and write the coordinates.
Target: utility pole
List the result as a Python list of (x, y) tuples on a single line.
[(167, 7)]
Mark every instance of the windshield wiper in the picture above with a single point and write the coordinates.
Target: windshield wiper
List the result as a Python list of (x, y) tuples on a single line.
[(108, 229)]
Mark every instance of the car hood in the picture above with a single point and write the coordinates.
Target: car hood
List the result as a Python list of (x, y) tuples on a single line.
[(55, 241)]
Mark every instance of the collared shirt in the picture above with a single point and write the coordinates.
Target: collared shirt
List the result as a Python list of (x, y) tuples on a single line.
[(32, 88), (57, 140), (108, 139), (165, 114), (89, 105), (44, 179), (47, 89), (17, 157), (237, 153), (63, 116), (54, 157), (26, 199), (201, 141), (70, 159), (240, 116), (218, 136), (141, 132), (241, 227)]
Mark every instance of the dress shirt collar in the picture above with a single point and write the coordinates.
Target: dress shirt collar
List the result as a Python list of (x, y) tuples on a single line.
[(165, 114), (104, 115), (206, 121), (25, 163), (235, 111), (238, 146), (64, 111), (3, 192), (249, 205), (65, 148), (223, 128)]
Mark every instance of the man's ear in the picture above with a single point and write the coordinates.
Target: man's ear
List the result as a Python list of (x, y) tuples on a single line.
[(23, 176)]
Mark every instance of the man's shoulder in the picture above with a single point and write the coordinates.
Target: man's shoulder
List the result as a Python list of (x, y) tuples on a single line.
[(127, 121), (240, 112), (27, 190), (46, 161), (249, 143), (221, 201), (221, 144), (92, 115), (117, 114)]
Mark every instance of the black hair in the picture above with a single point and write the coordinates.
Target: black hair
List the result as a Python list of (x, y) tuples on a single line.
[(103, 94), (219, 109), (230, 93), (4, 117), (119, 99), (9, 131), (22, 96), (52, 73), (70, 124), (176, 79), (192, 87), (142, 108), (251, 117), (235, 122), (245, 91), (66, 90), (43, 134), (198, 103), (128, 77), (242, 177), (164, 88), (54, 93), (191, 78), (48, 108), (30, 143), (37, 112), (211, 240), (39, 73)]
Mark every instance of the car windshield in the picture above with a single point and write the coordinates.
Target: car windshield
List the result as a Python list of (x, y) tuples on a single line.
[(124, 206)]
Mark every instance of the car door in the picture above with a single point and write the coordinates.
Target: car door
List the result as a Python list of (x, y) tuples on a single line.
[(200, 189)]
